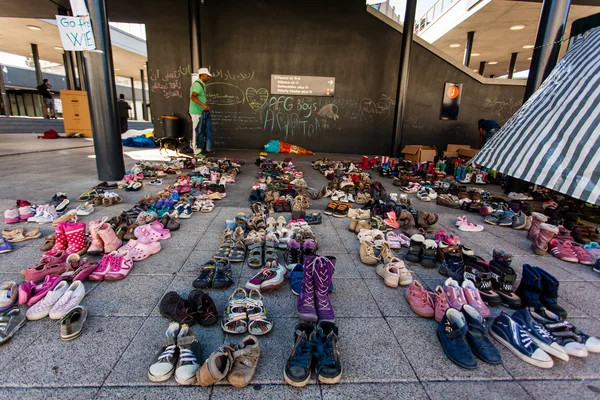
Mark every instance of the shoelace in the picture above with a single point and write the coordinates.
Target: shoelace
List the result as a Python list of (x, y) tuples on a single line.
[(187, 357), (302, 355), (525, 338), (543, 331), (324, 353), (168, 353)]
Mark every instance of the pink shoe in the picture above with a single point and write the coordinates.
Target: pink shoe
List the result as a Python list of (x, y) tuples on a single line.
[(39, 291), (142, 251), (440, 302), (25, 291), (466, 226), (563, 251), (49, 265), (582, 256), (454, 294), (474, 298), (78, 269), (442, 236), (75, 234), (150, 233), (102, 268), (391, 220), (60, 242), (419, 300), (120, 267), (11, 216), (127, 248)]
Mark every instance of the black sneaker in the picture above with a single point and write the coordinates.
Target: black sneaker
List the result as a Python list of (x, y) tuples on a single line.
[(297, 368), (540, 336), (175, 308), (429, 254), (328, 367), (504, 278), (477, 270), (207, 274), (293, 254), (203, 304), (415, 250), (453, 267), (222, 279)]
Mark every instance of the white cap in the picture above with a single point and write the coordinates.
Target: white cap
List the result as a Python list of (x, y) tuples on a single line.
[(204, 71)]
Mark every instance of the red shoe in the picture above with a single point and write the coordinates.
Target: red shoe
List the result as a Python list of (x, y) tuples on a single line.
[(563, 251)]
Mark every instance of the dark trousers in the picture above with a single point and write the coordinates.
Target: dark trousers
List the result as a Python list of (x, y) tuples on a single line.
[(124, 126)]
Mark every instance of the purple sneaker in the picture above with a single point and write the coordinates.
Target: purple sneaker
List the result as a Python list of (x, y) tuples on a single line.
[(5, 246), (324, 269), (306, 300), (309, 248), (271, 277), (454, 294)]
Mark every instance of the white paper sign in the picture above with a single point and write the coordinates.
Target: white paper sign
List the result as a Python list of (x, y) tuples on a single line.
[(76, 33), (78, 8)]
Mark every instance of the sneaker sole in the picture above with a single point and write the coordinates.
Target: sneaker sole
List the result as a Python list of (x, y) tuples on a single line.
[(527, 359), (550, 350), (330, 381), (294, 383)]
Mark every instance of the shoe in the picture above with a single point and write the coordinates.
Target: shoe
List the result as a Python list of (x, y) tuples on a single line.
[(222, 278), (549, 295), (429, 253), (109, 239), (540, 336), (9, 295), (341, 211), (10, 322), (71, 324), (575, 342), (583, 257), (176, 309), (477, 271), (474, 299), (563, 251), (296, 277), (515, 338), (298, 366), (453, 266), (205, 310), (419, 301), (293, 254), (536, 221), (370, 254), (519, 220), (69, 300), (35, 293), (540, 243), (504, 278), (328, 367), (440, 303), (415, 249), (207, 274), (452, 332), (42, 308), (165, 361), (11, 216), (216, 367), (190, 352), (323, 267), (120, 266), (5, 246), (477, 337), (331, 207), (454, 294), (245, 358), (306, 308), (530, 288), (269, 278), (581, 234)]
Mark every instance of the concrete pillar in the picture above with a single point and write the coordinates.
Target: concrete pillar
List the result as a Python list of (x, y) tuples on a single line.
[(102, 95), (144, 108), (4, 102), (511, 67), (36, 61), (402, 91), (195, 34), (481, 67), (468, 48), (133, 99), (551, 28), (80, 70), (69, 72)]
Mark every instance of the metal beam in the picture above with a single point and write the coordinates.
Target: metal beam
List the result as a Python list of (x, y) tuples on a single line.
[(402, 91), (481, 68), (133, 99), (144, 108), (195, 34), (511, 67), (468, 48), (551, 28), (4, 101), (102, 95), (69, 73), (80, 70), (36, 61)]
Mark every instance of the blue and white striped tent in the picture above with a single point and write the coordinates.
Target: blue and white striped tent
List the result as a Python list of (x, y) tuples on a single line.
[(554, 138)]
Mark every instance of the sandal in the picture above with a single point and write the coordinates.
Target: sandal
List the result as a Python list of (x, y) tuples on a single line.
[(207, 206), (224, 250), (234, 316), (91, 195), (26, 234), (255, 258), (271, 243), (238, 252), (259, 321)]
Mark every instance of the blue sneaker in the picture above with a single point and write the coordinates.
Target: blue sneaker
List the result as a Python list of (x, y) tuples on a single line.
[(297, 369), (596, 267), (540, 336), (174, 196), (452, 332), (296, 277), (478, 338), (5, 246), (510, 334)]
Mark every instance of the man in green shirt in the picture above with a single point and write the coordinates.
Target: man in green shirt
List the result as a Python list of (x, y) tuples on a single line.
[(200, 113)]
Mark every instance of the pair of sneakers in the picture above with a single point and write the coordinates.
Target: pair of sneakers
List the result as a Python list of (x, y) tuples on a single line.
[(198, 307), (179, 356), (457, 296), (269, 278), (44, 215), (422, 303)]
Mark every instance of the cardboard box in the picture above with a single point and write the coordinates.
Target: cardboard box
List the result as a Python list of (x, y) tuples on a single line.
[(419, 153), (467, 153), (76, 112), (452, 149)]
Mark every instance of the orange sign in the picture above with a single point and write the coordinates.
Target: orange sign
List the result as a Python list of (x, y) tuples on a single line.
[(453, 92)]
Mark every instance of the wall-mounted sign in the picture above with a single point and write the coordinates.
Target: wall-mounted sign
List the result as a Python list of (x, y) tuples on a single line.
[(75, 33), (298, 85), (451, 101)]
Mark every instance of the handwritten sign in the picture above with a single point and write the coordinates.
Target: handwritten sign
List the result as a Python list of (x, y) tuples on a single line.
[(76, 33), (297, 85)]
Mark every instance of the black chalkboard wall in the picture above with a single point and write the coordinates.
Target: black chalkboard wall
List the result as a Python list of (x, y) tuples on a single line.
[(245, 41)]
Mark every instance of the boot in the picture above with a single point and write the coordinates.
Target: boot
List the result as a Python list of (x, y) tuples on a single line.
[(477, 270), (581, 234), (97, 246), (504, 278), (353, 223), (530, 288), (111, 241), (429, 253), (75, 233), (407, 219), (306, 300), (60, 241), (549, 295), (415, 250), (323, 275), (534, 230), (362, 224), (540, 244)]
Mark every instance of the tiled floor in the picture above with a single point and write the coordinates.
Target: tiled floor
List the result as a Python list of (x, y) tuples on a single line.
[(386, 350)]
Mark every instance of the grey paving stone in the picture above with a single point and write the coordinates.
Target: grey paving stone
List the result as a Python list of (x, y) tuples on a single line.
[(561, 389), (26, 335), (383, 391), (132, 367), (417, 337), (352, 298), (155, 392), (493, 390), (49, 393), (581, 298), (253, 391), (103, 340), (369, 353), (391, 301), (135, 295), (167, 262)]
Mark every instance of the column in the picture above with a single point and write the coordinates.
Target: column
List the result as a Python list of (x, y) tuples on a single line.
[(80, 70), (69, 72), (102, 95), (133, 99), (3, 96), (468, 48), (511, 67), (144, 109), (195, 34), (36, 61), (481, 67), (402, 91), (551, 28)]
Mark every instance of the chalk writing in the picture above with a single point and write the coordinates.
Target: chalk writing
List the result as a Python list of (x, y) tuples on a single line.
[(501, 108), (329, 111), (257, 98), (224, 94), (376, 110), (168, 83), (227, 75)]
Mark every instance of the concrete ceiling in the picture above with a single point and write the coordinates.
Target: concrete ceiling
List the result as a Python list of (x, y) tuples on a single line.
[(16, 38), (493, 39)]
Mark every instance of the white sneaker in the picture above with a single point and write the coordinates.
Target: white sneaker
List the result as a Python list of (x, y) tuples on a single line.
[(41, 309), (164, 366), (71, 298), (38, 213), (189, 353)]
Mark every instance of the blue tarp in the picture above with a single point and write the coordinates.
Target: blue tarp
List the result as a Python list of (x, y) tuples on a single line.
[(139, 141)]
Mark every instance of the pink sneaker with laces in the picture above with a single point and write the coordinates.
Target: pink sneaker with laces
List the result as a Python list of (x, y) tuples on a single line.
[(563, 251), (419, 300), (454, 294), (440, 302), (582, 256), (104, 265), (474, 298), (120, 267)]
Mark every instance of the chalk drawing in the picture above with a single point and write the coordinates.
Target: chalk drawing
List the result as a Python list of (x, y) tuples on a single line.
[(501, 108), (379, 110), (224, 94), (257, 98), (329, 111)]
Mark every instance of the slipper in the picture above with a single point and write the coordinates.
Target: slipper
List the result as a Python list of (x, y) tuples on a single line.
[(84, 209)]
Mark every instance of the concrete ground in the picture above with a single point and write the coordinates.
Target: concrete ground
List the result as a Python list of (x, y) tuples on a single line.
[(386, 350)]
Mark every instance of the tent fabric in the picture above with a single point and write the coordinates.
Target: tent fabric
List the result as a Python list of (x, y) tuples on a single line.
[(553, 140)]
